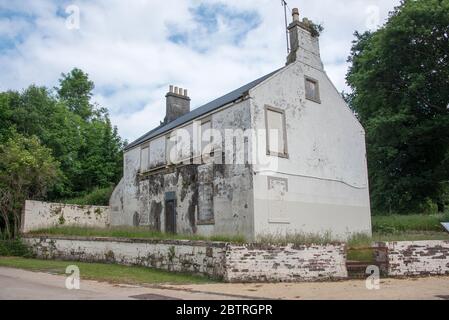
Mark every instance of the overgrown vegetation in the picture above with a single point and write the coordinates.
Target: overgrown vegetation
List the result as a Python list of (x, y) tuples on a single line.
[(106, 272), (297, 238), (14, 248), (402, 223), (55, 144), (130, 233), (400, 81), (27, 171), (390, 228), (98, 197)]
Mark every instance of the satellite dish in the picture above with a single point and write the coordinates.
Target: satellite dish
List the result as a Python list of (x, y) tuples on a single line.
[(445, 225)]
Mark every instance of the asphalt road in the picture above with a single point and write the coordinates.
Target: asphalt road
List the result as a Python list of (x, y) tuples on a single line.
[(19, 284)]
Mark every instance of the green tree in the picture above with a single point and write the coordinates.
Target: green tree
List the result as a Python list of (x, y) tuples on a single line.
[(400, 82), (6, 114), (75, 89), (27, 171), (79, 134), (100, 151)]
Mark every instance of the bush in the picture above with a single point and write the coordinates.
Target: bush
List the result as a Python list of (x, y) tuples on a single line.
[(14, 248), (428, 207), (98, 197)]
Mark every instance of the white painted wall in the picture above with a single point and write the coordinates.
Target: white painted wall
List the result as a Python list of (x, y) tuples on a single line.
[(40, 215), (326, 169), (232, 185), (417, 258)]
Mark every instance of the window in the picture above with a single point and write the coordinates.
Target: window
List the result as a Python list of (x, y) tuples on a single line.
[(169, 145), (277, 200), (144, 158), (205, 194), (312, 90), (157, 154), (206, 141), (276, 132)]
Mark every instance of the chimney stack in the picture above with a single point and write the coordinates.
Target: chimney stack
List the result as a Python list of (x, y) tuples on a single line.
[(177, 105), (295, 14), (304, 42)]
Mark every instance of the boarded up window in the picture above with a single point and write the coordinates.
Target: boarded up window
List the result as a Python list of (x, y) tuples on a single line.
[(206, 140), (205, 194), (312, 90), (179, 145), (276, 132), (157, 153), (277, 199), (144, 158), (169, 143)]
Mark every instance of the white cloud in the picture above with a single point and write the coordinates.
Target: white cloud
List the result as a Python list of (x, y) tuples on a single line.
[(124, 47)]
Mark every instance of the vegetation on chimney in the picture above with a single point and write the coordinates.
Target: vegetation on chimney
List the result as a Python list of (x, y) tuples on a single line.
[(315, 29)]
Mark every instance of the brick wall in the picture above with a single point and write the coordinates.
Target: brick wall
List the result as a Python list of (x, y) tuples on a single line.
[(259, 263), (232, 263), (416, 258), (195, 257)]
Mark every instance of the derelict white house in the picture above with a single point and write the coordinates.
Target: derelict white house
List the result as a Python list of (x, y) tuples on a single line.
[(282, 154)]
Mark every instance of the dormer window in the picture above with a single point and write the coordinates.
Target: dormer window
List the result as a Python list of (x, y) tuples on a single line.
[(312, 90)]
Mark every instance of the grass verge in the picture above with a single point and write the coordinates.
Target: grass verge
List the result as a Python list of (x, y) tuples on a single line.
[(105, 272), (129, 233), (415, 222)]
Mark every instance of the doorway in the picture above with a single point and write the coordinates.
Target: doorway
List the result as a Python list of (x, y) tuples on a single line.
[(170, 213)]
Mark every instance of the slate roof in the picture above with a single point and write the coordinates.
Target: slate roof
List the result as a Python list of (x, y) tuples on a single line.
[(198, 112)]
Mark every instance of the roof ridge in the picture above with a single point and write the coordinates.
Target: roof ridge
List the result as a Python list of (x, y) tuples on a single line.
[(206, 108)]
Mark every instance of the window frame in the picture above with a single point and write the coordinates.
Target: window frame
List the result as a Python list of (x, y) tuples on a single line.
[(317, 98), (142, 148), (202, 184), (204, 157), (284, 124)]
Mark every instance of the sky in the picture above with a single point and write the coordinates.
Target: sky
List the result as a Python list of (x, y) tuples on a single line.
[(133, 50)]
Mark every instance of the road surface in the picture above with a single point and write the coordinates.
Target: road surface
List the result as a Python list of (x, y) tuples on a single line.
[(19, 284)]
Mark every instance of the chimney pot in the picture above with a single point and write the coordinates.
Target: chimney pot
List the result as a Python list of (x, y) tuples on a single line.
[(295, 14), (177, 104)]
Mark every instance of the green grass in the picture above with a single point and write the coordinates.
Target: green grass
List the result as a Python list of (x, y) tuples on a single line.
[(14, 248), (297, 238), (415, 222), (365, 241), (105, 272), (358, 245), (129, 233)]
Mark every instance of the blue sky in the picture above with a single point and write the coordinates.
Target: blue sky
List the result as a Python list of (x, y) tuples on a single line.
[(134, 49)]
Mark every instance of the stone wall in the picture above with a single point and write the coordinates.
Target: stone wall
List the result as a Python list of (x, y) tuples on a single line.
[(417, 258), (291, 263), (195, 257), (39, 215), (232, 263)]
